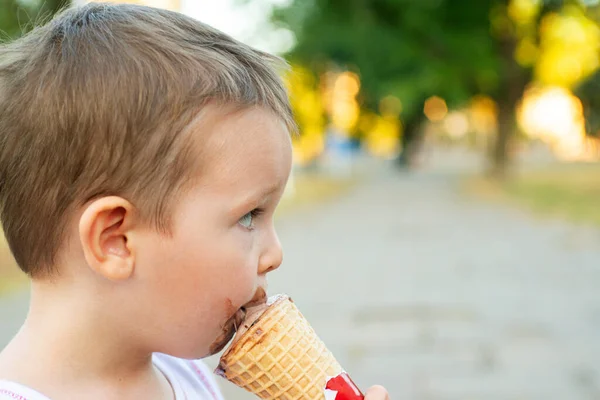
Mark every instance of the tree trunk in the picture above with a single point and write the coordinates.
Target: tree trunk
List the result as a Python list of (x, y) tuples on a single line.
[(411, 138), (512, 85)]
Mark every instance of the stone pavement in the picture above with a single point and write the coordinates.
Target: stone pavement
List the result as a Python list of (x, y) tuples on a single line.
[(439, 298)]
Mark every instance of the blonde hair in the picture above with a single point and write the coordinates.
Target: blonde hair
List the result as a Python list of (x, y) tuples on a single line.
[(93, 103)]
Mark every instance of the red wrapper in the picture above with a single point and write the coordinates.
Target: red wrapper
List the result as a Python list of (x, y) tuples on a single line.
[(345, 388)]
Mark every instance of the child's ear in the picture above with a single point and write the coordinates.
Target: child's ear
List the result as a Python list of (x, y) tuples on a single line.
[(104, 228)]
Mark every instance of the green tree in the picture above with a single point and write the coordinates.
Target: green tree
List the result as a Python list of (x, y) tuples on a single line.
[(589, 90), (18, 17), (589, 93), (416, 49)]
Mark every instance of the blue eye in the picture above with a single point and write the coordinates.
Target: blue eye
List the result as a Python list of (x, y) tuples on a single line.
[(247, 220)]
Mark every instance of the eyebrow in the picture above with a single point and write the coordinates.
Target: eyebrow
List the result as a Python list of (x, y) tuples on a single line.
[(257, 196)]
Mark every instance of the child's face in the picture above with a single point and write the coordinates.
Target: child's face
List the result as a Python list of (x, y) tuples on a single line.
[(223, 239)]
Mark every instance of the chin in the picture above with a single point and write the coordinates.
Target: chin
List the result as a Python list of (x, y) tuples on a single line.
[(221, 342)]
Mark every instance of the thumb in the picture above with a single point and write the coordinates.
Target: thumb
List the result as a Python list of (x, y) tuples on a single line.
[(377, 393)]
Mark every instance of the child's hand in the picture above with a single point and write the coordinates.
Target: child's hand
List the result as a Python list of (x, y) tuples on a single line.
[(377, 393)]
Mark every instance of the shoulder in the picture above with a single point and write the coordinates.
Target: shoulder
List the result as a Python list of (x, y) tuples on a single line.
[(190, 376)]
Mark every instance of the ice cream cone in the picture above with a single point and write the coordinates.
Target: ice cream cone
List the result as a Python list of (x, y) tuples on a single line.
[(280, 357)]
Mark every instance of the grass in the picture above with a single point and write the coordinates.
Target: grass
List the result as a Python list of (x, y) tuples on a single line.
[(11, 277), (309, 190), (570, 191)]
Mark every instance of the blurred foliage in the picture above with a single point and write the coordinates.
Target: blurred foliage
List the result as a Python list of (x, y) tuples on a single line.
[(568, 47), (410, 49), (570, 57), (309, 112), (18, 17), (413, 50), (589, 93)]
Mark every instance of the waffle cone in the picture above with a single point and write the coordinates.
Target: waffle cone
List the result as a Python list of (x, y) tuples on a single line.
[(280, 357)]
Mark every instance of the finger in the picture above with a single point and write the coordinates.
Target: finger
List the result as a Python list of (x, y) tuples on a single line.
[(377, 393)]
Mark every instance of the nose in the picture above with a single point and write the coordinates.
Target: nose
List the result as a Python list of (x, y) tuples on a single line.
[(272, 255)]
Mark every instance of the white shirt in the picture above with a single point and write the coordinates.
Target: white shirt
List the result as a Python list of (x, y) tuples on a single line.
[(191, 380)]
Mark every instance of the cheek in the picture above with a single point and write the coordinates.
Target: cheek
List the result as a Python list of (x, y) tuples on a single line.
[(197, 281), (224, 269), (216, 259), (227, 267)]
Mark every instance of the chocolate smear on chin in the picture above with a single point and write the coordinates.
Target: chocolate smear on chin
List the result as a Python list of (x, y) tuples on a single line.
[(229, 329), (231, 326)]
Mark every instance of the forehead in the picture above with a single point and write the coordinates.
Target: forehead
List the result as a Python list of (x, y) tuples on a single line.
[(240, 148)]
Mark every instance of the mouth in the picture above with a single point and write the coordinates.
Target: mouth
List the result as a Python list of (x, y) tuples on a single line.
[(235, 321), (228, 332), (260, 297)]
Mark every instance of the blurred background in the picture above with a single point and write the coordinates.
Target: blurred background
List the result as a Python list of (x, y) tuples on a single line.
[(441, 227)]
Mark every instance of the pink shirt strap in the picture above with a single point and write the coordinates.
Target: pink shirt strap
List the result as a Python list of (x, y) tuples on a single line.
[(12, 395)]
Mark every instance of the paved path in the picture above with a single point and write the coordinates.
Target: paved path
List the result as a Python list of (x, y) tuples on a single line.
[(440, 298)]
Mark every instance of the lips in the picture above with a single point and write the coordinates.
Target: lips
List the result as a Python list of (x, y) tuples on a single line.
[(260, 297)]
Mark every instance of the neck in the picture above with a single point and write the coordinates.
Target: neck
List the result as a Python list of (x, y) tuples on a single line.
[(81, 332), (65, 338)]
